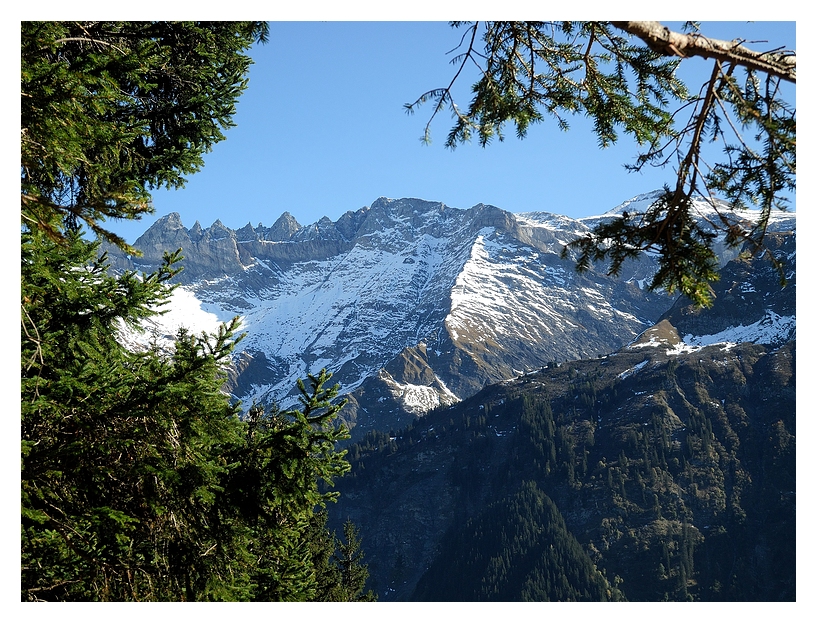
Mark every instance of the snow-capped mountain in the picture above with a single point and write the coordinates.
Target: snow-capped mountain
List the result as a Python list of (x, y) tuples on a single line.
[(410, 303)]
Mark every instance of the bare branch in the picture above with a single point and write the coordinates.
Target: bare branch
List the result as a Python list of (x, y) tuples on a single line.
[(444, 95), (665, 41)]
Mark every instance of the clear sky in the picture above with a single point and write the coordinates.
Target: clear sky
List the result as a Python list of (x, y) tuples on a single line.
[(321, 129)]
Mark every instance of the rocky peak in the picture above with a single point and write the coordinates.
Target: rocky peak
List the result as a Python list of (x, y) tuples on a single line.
[(283, 229), (246, 234), (169, 222), (218, 231), (660, 334), (196, 232), (211, 251), (164, 227), (483, 215), (166, 234), (349, 223), (324, 229), (407, 218)]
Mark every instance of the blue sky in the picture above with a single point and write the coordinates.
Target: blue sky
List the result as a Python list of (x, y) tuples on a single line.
[(321, 129)]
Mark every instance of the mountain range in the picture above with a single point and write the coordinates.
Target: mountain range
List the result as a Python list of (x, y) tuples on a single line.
[(520, 431), (413, 304)]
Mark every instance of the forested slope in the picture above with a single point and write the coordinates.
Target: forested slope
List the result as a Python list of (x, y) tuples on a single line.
[(673, 471)]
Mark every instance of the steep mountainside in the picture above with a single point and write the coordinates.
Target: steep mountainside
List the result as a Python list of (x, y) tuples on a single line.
[(410, 303), (671, 463), (672, 468)]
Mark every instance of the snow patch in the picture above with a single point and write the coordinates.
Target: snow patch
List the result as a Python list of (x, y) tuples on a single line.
[(770, 329), (633, 370), (183, 310), (419, 399)]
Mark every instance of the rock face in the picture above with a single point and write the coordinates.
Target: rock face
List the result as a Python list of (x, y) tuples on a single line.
[(412, 304)]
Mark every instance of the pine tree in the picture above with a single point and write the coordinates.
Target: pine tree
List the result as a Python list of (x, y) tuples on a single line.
[(349, 561), (282, 471), (139, 480), (112, 110), (122, 451)]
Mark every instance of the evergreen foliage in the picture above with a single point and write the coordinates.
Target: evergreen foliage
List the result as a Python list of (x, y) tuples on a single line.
[(139, 480), (340, 573), (518, 549), (111, 110), (622, 76), (677, 481)]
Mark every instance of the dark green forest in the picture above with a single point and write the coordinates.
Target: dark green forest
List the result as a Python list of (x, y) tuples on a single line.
[(584, 482), (517, 549)]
